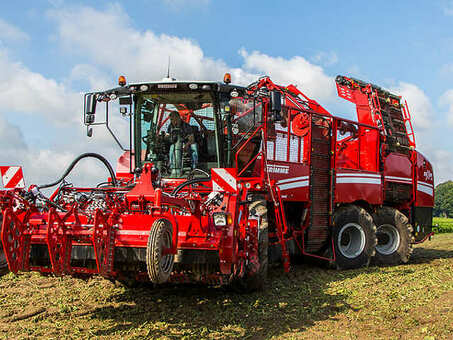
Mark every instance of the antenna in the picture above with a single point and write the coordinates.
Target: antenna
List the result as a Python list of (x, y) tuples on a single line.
[(168, 78)]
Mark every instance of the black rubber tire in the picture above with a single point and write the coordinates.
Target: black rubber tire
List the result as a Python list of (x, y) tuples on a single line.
[(353, 221), (3, 263), (159, 267), (256, 282), (401, 250)]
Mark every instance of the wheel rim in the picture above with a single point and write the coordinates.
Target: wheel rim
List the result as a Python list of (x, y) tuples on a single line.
[(351, 240), (388, 239), (166, 263)]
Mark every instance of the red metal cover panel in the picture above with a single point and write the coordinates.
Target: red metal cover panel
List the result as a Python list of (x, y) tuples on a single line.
[(351, 186), (291, 178), (425, 182), (397, 165)]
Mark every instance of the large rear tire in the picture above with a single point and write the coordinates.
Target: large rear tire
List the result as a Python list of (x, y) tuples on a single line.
[(354, 237), (3, 262), (255, 282), (394, 234), (159, 266)]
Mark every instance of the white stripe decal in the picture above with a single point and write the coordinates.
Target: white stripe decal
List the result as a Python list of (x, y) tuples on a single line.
[(355, 174), (424, 189), (131, 232), (402, 179), (293, 185), (286, 180), (352, 180), (426, 184)]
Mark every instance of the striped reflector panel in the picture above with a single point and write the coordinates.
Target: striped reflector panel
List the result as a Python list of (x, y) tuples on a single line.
[(224, 179), (12, 177)]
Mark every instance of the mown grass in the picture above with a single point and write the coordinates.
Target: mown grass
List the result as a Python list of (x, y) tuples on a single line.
[(442, 225), (412, 301)]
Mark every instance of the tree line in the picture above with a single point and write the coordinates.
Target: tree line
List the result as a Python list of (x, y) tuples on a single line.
[(443, 201)]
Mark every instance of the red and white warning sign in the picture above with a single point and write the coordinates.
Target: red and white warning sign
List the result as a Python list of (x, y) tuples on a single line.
[(224, 179), (12, 177)]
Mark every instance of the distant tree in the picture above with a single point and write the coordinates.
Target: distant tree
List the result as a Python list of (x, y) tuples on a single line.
[(443, 202)]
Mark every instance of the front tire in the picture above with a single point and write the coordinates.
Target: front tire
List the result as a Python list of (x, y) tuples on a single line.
[(394, 234), (3, 262), (354, 237), (159, 266)]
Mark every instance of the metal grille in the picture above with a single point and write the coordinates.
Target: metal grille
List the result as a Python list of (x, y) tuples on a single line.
[(320, 182)]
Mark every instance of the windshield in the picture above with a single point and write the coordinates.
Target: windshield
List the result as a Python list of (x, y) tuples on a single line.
[(176, 131)]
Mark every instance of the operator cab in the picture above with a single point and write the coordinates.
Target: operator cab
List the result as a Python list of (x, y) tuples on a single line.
[(185, 128)]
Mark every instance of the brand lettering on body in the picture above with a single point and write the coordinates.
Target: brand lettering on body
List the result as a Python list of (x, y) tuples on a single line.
[(428, 175), (277, 169)]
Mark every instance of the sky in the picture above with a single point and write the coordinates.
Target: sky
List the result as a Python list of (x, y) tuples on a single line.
[(53, 51)]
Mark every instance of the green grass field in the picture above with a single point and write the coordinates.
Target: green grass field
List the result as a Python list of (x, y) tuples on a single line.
[(443, 225), (412, 301)]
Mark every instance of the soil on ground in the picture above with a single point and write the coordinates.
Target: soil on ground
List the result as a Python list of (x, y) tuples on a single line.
[(412, 301)]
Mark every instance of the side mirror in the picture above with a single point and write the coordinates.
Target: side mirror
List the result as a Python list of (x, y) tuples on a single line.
[(90, 109), (276, 104)]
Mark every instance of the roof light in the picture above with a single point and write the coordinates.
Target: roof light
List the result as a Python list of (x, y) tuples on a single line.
[(227, 78), (122, 80)]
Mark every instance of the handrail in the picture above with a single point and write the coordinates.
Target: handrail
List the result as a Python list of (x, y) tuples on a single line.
[(243, 145)]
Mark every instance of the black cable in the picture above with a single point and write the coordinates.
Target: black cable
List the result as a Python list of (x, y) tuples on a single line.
[(186, 183), (75, 161)]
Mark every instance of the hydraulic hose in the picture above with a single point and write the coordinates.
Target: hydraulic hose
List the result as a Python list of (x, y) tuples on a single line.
[(186, 183), (75, 161)]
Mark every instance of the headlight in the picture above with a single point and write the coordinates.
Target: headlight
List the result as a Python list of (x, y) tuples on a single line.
[(220, 219)]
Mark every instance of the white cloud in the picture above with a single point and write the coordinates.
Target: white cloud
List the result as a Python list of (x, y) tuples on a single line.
[(11, 33), (30, 92), (108, 39), (442, 162), (45, 165), (10, 136), (447, 100), (90, 76), (419, 104), (144, 55), (310, 78)]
